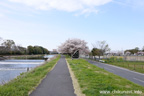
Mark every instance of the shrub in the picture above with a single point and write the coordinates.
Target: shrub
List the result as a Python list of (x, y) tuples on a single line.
[(114, 59), (120, 59)]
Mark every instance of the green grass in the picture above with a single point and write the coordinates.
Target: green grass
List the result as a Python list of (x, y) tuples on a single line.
[(27, 82), (132, 65), (93, 79)]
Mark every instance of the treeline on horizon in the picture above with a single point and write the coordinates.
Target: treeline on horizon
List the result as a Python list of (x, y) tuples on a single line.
[(135, 50), (8, 47)]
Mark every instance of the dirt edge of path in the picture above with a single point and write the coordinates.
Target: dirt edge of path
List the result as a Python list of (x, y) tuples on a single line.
[(75, 83)]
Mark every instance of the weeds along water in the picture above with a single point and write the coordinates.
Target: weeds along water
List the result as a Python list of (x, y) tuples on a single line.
[(26, 82)]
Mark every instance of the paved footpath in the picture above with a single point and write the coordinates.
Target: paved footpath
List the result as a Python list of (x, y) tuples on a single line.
[(125, 73), (57, 82)]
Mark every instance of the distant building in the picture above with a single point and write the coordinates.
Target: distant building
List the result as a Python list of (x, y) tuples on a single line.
[(114, 54), (140, 53), (54, 51)]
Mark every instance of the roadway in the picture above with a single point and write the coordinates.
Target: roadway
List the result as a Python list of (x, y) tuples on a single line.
[(135, 77)]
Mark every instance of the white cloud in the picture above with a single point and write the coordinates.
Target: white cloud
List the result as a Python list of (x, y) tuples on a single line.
[(131, 3), (1, 15), (136, 3), (64, 5), (87, 12)]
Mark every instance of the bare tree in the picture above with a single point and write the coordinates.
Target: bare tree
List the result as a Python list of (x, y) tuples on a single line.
[(9, 45), (72, 45), (102, 47)]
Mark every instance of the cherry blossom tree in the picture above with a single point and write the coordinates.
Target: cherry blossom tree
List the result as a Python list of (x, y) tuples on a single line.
[(72, 45)]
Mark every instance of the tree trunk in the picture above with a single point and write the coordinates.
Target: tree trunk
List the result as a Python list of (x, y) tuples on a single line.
[(94, 58), (99, 57)]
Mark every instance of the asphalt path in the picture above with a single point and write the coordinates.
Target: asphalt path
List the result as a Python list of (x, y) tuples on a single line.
[(135, 77), (57, 82)]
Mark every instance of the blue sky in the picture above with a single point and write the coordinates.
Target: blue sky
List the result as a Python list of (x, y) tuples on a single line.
[(50, 22)]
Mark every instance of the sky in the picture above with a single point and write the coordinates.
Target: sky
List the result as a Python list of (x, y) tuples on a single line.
[(49, 23)]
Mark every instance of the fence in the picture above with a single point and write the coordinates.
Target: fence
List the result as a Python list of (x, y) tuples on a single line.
[(132, 65), (127, 58), (131, 62)]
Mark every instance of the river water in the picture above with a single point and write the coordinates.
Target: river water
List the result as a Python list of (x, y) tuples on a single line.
[(10, 69)]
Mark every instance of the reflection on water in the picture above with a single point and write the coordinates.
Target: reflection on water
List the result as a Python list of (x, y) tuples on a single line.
[(10, 69)]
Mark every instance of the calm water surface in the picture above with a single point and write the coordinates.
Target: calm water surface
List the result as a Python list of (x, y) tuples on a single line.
[(10, 69)]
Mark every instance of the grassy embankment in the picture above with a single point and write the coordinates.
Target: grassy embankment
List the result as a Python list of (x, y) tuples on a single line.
[(26, 82), (94, 80), (137, 66), (27, 57)]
